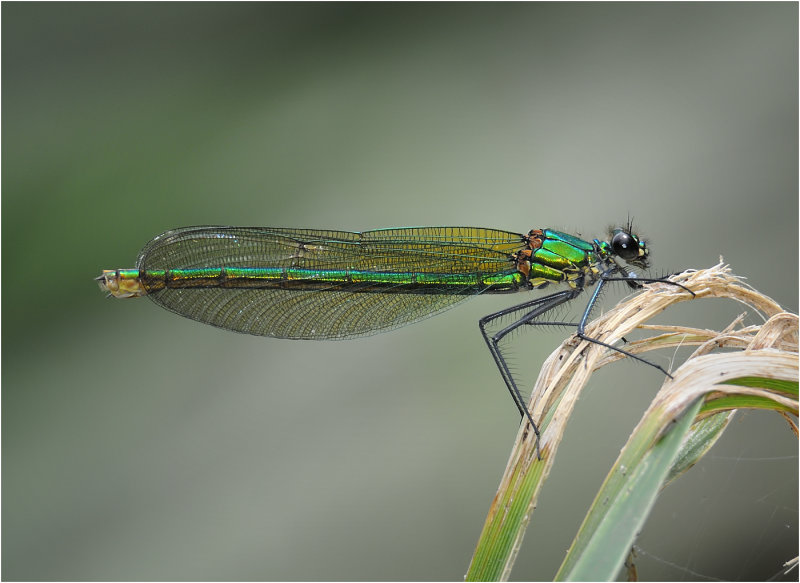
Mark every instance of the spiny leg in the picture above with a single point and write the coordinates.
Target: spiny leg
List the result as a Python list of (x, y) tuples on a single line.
[(633, 281), (537, 307), (555, 300), (636, 282)]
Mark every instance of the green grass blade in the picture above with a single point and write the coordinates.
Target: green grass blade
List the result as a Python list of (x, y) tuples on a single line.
[(703, 435), (625, 502)]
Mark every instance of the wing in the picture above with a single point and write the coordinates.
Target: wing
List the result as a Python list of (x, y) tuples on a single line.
[(322, 314)]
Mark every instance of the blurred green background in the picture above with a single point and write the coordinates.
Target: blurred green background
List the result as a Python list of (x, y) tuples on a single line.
[(140, 445)]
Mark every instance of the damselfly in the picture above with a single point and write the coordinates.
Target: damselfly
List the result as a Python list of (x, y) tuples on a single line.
[(321, 285)]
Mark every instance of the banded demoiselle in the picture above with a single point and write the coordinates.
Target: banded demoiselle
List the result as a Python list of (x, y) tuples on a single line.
[(321, 285)]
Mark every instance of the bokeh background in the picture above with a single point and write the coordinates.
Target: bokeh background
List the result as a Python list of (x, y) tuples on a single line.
[(140, 445)]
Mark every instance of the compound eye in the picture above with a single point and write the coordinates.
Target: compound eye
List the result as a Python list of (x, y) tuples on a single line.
[(625, 245)]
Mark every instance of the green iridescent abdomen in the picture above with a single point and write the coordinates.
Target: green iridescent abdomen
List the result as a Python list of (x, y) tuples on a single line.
[(356, 281)]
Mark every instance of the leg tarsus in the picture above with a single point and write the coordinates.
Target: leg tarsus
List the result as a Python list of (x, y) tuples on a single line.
[(537, 308)]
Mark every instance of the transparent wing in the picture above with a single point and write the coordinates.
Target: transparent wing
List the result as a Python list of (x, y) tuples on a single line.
[(322, 314)]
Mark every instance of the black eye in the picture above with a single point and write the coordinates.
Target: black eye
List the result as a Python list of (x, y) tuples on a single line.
[(625, 245)]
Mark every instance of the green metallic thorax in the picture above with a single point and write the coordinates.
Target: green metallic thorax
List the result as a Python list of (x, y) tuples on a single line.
[(560, 257)]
